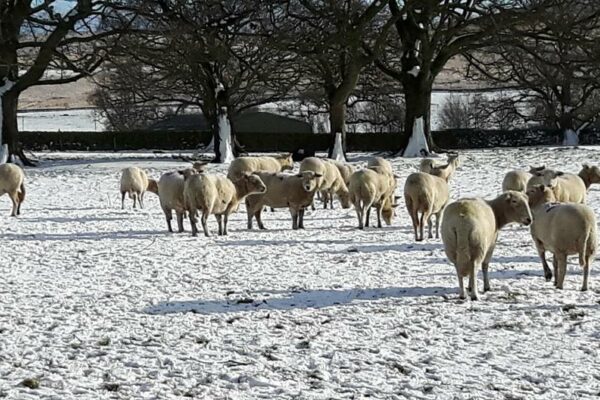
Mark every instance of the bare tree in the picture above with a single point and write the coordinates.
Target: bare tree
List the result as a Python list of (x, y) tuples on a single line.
[(327, 37), (205, 54), (36, 41), (554, 62), (495, 110), (431, 32)]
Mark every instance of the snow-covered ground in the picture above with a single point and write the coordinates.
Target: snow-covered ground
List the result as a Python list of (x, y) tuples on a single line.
[(98, 302)]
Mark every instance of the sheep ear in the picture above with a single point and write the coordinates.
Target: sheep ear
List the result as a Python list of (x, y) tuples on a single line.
[(538, 173), (396, 176), (318, 175), (396, 198), (560, 173), (585, 166)]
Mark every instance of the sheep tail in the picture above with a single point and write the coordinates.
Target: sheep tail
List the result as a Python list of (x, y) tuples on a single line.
[(22, 193)]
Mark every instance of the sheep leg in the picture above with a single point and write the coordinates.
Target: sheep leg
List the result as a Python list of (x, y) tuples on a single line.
[(203, 220), (220, 223), (586, 272), (325, 197), (378, 210), (485, 267), (359, 214), (542, 253), (180, 216), (331, 200), (437, 225), (413, 216), (421, 225), (301, 218), (14, 197), (123, 200), (258, 216), (193, 220), (430, 226), (368, 212), (461, 284), (169, 216), (294, 218), (555, 266), (562, 269), (135, 196), (225, 220), (141, 200), (473, 282)]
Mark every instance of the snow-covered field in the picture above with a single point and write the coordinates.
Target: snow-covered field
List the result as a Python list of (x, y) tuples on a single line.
[(98, 302)]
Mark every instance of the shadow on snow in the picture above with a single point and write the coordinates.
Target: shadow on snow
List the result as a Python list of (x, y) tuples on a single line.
[(311, 299)]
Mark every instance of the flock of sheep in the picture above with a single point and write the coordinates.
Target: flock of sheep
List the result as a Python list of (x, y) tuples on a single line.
[(550, 201)]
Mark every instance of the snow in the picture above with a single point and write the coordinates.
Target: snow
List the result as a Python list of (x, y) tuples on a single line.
[(571, 138), (338, 152), (417, 144), (94, 298), (414, 71), (72, 120), (225, 139)]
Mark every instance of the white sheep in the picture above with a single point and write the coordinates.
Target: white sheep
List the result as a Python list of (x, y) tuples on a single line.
[(242, 165), (382, 163), (589, 175), (346, 170), (426, 194), (567, 188), (12, 180), (331, 181), (445, 172), (135, 182), (294, 192), (218, 195), (170, 193), (516, 180), (372, 187), (470, 229), (562, 229)]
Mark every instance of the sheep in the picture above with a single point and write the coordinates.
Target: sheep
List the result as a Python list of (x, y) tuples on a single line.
[(562, 229), (295, 192), (218, 195), (516, 180), (331, 181), (589, 175), (568, 188), (427, 194), (12, 180), (135, 182), (372, 187), (346, 170), (170, 193), (470, 229), (241, 165), (536, 179), (381, 162), (429, 166)]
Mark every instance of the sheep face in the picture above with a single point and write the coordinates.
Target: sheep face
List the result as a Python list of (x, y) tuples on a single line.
[(592, 172), (286, 161), (540, 194), (344, 197), (152, 186), (517, 208), (310, 180), (199, 166), (255, 184)]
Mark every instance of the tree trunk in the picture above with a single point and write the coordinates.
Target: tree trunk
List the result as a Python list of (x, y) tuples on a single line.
[(417, 97), (567, 126), (10, 130), (337, 124)]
